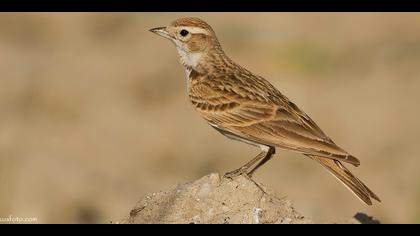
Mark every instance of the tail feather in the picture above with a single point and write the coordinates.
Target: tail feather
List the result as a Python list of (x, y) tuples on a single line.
[(339, 171)]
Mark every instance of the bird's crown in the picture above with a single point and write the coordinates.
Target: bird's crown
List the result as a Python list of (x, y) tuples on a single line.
[(193, 23)]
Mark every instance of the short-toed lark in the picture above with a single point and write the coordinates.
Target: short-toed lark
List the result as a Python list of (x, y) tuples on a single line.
[(246, 107)]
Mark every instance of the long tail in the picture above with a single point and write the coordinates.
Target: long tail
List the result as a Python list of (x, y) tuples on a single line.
[(347, 178)]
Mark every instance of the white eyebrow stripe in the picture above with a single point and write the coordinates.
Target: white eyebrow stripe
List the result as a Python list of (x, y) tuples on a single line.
[(195, 30)]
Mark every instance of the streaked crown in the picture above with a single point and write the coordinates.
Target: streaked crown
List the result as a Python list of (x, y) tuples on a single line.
[(193, 22)]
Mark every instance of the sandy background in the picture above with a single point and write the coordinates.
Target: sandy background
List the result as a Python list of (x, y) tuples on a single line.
[(93, 110)]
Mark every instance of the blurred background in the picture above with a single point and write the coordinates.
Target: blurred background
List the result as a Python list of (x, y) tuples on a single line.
[(94, 112)]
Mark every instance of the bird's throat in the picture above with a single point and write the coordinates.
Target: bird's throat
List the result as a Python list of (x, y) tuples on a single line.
[(189, 60)]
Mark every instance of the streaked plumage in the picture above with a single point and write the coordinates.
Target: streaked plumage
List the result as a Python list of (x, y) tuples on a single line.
[(246, 107)]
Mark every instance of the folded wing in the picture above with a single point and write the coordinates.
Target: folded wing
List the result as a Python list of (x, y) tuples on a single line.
[(264, 117)]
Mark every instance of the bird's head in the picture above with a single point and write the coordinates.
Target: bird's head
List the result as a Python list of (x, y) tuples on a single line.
[(193, 38)]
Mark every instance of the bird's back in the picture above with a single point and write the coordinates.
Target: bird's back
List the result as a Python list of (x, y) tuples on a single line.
[(247, 105)]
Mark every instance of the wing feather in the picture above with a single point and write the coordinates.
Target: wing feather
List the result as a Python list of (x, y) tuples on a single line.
[(263, 115)]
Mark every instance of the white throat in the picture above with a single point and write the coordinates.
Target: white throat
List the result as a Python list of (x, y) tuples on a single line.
[(189, 60)]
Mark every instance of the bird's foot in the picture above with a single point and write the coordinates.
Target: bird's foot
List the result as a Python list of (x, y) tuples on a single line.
[(236, 173), (244, 172)]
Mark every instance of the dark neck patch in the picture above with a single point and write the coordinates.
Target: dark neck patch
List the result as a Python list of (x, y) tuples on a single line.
[(194, 74)]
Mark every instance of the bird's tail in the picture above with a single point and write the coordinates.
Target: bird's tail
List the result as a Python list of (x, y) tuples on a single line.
[(347, 178)]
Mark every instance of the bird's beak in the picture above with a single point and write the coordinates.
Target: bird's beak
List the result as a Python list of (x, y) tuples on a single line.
[(162, 31)]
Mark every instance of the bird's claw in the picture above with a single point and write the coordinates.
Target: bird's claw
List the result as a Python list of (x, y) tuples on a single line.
[(236, 173)]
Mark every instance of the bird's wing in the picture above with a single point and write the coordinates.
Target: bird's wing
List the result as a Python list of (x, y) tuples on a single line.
[(263, 115)]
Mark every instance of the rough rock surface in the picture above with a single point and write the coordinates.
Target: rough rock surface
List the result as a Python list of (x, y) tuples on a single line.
[(215, 199)]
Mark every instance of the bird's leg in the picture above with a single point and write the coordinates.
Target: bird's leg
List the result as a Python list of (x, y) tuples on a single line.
[(269, 154), (244, 168)]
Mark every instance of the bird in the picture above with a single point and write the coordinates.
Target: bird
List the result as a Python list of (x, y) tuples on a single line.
[(246, 107)]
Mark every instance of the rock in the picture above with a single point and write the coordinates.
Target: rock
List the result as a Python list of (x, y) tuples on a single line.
[(362, 218), (212, 199), (216, 200)]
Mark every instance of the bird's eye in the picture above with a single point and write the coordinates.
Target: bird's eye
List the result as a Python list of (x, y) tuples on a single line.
[(184, 33)]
